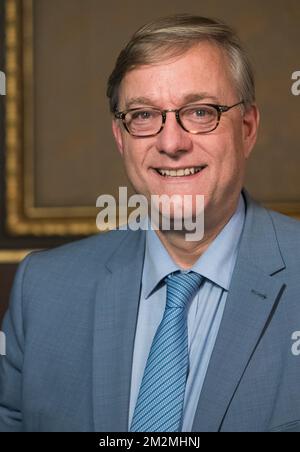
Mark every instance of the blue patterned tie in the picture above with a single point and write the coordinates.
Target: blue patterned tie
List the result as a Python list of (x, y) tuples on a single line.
[(160, 401)]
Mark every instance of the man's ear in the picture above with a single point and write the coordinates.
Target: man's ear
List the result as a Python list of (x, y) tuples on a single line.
[(118, 135), (250, 128)]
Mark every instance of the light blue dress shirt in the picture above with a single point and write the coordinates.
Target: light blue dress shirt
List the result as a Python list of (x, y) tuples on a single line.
[(204, 313)]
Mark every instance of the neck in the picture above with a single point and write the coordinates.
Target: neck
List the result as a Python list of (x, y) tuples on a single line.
[(185, 253)]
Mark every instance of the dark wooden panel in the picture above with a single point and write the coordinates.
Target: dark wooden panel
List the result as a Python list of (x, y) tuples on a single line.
[(7, 273)]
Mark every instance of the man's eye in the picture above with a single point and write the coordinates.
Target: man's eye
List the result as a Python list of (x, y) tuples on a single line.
[(200, 112), (142, 115)]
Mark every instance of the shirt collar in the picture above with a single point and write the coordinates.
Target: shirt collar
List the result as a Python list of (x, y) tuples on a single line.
[(216, 263)]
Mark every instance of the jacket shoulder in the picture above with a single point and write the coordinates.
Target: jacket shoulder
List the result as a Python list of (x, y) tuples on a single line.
[(80, 260), (286, 226), (95, 248), (287, 231)]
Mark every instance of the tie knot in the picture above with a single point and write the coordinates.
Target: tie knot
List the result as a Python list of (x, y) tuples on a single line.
[(181, 288)]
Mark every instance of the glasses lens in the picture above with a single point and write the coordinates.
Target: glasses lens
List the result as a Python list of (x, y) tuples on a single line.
[(199, 118), (143, 121)]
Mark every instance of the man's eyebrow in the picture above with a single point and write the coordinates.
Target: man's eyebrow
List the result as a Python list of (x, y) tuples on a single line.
[(199, 97), (188, 99), (138, 101)]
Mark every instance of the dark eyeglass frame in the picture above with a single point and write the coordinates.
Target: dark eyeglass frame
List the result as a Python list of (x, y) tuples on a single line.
[(219, 108)]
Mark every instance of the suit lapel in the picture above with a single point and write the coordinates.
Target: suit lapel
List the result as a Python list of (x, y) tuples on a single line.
[(252, 300), (116, 310)]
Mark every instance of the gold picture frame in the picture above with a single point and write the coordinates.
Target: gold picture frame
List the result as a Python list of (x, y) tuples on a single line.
[(13, 256), (23, 217)]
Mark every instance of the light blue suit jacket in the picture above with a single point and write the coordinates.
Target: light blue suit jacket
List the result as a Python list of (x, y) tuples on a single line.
[(71, 325)]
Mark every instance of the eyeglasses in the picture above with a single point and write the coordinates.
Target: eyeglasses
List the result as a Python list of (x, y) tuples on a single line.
[(195, 119)]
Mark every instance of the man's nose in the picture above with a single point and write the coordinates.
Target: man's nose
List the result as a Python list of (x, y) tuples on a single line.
[(173, 139)]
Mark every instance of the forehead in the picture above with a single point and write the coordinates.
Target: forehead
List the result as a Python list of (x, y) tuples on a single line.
[(203, 70)]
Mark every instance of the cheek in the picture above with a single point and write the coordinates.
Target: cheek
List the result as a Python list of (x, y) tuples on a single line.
[(134, 160), (136, 152), (227, 156)]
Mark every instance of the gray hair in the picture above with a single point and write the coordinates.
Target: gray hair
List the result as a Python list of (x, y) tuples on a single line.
[(173, 36)]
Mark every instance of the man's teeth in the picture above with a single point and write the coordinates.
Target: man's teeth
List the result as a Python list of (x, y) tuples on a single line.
[(180, 172)]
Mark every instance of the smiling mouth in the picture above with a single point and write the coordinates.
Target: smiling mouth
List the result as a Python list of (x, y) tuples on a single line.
[(189, 171)]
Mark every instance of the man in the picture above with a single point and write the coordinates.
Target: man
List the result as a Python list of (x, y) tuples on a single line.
[(146, 331)]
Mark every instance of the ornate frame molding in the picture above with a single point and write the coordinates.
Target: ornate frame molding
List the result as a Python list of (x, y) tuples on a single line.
[(13, 256), (23, 217)]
